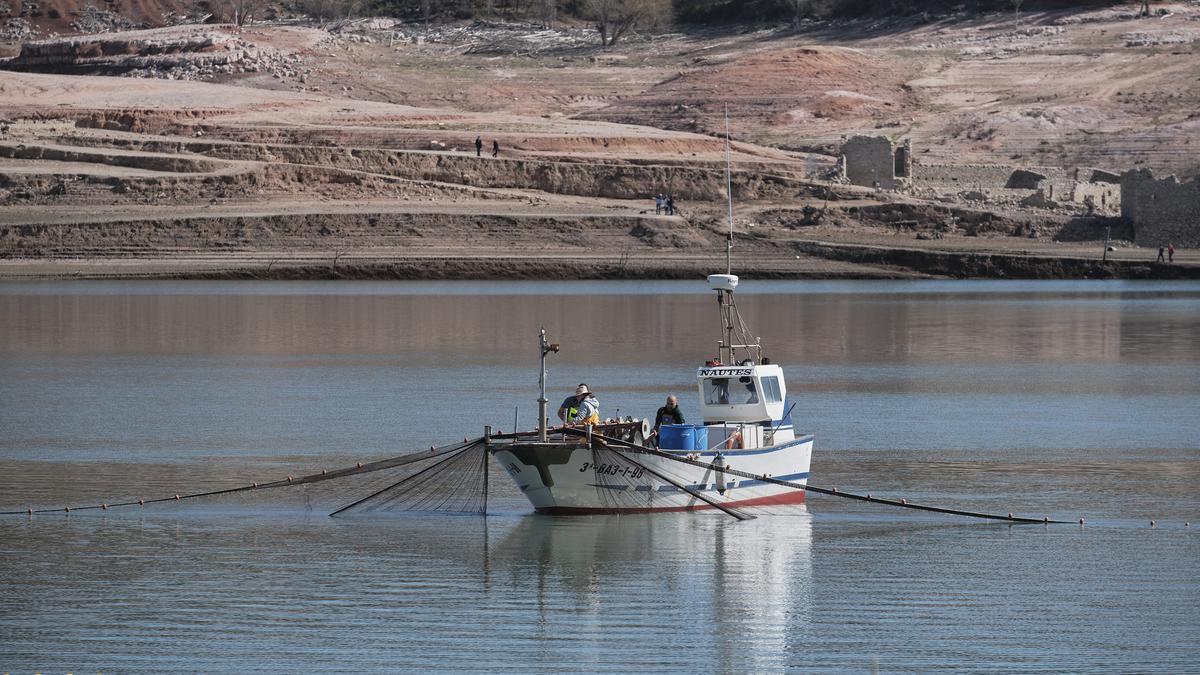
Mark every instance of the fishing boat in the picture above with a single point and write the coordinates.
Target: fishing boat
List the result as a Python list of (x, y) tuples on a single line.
[(746, 426)]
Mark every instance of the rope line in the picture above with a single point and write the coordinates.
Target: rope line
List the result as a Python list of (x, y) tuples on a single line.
[(357, 469), (695, 493), (833, 492)]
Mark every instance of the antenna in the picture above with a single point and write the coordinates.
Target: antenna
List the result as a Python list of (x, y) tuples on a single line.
[(729, 195)]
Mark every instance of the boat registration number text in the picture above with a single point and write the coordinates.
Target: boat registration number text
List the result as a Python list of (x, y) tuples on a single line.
[(624, 471)]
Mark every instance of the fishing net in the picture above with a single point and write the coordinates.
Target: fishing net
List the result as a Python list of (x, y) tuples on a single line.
[(451, 479), (457, 483)]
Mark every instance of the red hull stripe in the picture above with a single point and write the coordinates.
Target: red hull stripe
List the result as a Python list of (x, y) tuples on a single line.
[(789, 497)]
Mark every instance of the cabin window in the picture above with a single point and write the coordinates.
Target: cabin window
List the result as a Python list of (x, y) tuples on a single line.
[(716, 391), (749, 392), (770, 387)]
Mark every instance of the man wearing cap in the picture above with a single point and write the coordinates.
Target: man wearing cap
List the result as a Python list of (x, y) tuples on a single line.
[(582, 408)]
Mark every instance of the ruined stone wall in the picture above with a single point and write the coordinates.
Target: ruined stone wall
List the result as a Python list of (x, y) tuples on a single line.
[(977, 176), (1104, 198), (1161, 211), (870, 161)]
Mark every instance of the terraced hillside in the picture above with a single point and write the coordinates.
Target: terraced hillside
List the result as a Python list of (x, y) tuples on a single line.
[(304, 149)]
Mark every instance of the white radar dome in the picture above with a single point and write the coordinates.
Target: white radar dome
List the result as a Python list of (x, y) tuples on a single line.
[(722, 282)]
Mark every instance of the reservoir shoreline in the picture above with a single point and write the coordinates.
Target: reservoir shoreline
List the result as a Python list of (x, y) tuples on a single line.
[(794, 260)]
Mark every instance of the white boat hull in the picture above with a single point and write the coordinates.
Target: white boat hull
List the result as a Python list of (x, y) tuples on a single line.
[(567, 478)]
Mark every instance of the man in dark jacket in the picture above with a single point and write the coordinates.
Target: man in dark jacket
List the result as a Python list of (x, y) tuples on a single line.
[(478, 145), (668, 414)]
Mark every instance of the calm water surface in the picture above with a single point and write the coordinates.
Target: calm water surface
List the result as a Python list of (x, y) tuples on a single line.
[(1058, 398)]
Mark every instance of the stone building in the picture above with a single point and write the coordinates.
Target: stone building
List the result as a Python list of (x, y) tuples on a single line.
[(1161, 211), (1095, 190), (876, 161)]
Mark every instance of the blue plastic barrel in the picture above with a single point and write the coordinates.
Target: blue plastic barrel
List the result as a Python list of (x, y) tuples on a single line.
[(700, 437), (676, 437)]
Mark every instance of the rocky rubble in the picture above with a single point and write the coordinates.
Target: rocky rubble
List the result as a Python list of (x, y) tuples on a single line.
[(193, 16), (17, 29), (1152, 39), (179, 55), (239, 56), (489, 37), (92, 19), (1001, 44)]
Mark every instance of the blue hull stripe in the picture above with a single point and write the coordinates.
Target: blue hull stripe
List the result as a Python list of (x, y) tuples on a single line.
[(734, 453), (794, 476), (705, 488)]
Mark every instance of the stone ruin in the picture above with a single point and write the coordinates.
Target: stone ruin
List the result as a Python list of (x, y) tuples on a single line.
[(880, 162), (876, 161), (1161, 211)]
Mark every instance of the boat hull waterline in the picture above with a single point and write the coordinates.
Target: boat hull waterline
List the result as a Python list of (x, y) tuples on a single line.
[(571, 478)]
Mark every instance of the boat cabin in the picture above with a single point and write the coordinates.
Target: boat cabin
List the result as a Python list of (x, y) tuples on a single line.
[(742, 407), (745, 393)]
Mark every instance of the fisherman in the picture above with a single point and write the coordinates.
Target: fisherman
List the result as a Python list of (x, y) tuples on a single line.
[(478, 146), (495, 148), (582, 408), (668, 414)]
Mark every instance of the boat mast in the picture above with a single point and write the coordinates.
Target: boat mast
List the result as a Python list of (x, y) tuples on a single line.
[(729, 196), (725, 354), (725, 301), (544, 349)]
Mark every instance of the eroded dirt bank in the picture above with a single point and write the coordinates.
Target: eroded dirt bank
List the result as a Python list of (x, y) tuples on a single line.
[(524, 243), (406, 244)]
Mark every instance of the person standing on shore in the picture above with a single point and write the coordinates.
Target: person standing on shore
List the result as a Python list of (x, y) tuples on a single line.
[(495, 148), (670, 205), (1160, 254), (658, 205), (1170, 253), (478, 146)]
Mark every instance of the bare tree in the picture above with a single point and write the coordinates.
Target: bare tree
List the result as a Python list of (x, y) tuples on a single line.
[(325, 11), (549, 13), (614, 18), (798, 9), (338, 251), (244, 11), (1145, 11), (321, 10), (1017, 6), (426, 12)]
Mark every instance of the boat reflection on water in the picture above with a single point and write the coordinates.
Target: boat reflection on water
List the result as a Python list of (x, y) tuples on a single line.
[(751, 579)]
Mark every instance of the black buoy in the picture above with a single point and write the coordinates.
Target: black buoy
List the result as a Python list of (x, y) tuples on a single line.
[(719, 466)]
